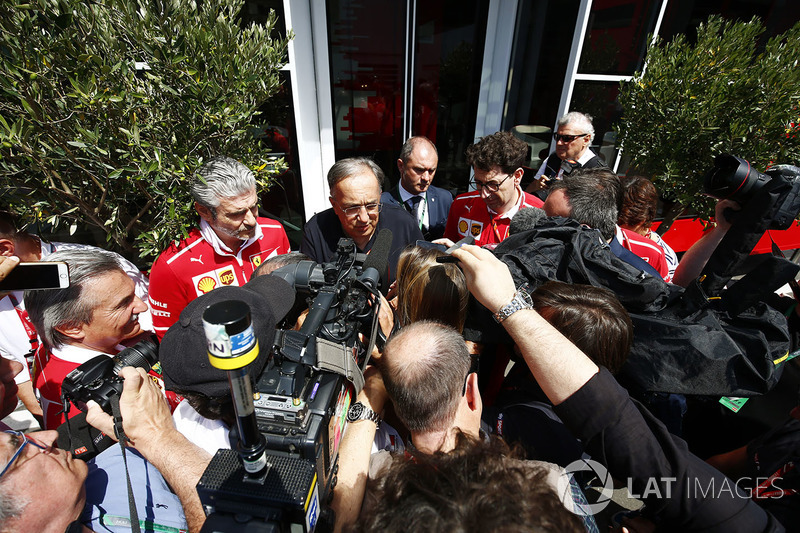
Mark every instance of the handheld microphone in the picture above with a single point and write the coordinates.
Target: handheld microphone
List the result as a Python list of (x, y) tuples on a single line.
[(378, 257), (526, 219)]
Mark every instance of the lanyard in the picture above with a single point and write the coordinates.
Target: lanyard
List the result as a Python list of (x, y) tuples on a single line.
[(497, 231), (761, 491), (26, 323)]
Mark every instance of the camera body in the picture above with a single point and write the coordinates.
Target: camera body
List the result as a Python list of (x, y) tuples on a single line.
[(98, 380), (733, 178), (301, 401)]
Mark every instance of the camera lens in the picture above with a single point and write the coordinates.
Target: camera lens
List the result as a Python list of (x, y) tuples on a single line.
[(733, 178), (143, 354)]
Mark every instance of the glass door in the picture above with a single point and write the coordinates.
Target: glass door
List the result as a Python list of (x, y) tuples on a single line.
[(406, 68)]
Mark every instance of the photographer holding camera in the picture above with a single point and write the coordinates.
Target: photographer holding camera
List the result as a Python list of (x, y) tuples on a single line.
[(97, 312), (45, 489)]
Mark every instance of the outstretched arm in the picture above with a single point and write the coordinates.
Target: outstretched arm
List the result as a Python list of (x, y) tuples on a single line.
[(559, 366), (354, 453), (696, 257), (148, 424), (631, 443)]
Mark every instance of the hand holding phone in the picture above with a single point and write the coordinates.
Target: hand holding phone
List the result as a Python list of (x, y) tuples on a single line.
[(7, 264), (449, 258)]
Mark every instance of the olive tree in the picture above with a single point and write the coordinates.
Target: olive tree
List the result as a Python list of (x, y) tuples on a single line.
[(108, 107), (725, 93)]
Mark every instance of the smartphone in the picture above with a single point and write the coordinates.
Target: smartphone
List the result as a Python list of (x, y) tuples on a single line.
[(449, 258), (34, 276), (432, 246)]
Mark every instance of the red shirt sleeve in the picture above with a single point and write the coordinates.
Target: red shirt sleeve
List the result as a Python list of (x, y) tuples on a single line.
[(166, 297)]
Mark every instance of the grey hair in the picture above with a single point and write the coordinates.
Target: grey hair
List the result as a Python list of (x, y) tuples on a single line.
[(595, 196), (578, 119), (53, 308), (347, 167), (221, 177), (425, 386), (11, 506), (408, 147), (277, 261)]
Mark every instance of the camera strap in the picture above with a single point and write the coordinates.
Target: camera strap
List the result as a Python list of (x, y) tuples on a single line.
[(123, 442), (335, 357)]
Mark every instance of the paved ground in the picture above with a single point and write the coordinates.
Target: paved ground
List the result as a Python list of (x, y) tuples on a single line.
[(21, 420)]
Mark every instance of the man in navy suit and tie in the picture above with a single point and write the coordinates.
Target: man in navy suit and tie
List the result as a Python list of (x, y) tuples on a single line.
[(429, 205)]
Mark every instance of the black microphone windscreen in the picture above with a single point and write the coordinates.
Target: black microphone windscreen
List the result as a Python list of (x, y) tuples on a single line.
[(378, 257), (525, 219)]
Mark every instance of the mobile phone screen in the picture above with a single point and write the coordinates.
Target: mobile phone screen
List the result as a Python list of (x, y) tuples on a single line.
[(41, 275)]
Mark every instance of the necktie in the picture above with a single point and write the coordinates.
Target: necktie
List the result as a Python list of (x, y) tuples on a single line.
[(413, 204)]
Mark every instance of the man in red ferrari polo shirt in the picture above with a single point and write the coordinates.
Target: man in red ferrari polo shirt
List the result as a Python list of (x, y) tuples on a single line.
[(229, 245), (486, 212)]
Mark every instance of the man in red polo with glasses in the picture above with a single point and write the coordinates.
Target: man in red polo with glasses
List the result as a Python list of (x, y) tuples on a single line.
[(574, 134), (485, 213)]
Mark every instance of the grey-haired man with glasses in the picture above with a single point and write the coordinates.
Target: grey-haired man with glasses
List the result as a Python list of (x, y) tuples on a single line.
[(357, 212), (45, 489)]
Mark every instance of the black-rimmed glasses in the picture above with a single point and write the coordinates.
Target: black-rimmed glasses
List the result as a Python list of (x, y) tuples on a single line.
[(491, 186)]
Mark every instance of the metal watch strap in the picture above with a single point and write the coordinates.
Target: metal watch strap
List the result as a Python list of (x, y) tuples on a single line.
[(359, 411), (520, 300)]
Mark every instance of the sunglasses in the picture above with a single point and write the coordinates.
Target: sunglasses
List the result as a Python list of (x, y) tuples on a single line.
[(21, 440), (567, 138)]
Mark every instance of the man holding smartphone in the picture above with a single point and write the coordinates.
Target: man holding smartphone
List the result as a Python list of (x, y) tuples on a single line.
[(573, 136), (18, 339)]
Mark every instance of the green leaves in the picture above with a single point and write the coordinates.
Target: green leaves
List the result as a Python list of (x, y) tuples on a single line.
[(107, 108), (721, 94)]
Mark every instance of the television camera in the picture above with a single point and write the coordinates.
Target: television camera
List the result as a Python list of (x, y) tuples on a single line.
[(296, 415)]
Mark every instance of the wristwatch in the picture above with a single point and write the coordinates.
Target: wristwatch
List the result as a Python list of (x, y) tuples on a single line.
[(521, 300), (359, 411)]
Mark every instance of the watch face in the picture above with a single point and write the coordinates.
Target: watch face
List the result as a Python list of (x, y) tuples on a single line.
[(355, 412), (526, 298)]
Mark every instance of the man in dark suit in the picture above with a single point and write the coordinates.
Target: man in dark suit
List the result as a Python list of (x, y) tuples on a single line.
[(429, 205)]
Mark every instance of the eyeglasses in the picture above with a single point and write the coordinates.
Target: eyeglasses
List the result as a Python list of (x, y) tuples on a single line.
[(491, 186), (372, 209), (21, 440), (568, 138)]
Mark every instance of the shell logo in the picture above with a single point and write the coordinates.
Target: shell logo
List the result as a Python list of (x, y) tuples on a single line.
[(206, 284), (462, 226), (227, 277)]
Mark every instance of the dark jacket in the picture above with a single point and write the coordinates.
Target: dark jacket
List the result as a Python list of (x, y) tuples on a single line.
[(439, 201)]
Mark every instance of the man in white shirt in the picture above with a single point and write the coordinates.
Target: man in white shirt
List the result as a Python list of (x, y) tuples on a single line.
[(573, 136)]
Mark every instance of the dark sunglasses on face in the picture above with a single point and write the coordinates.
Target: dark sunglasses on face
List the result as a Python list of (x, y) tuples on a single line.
[(567, 138)]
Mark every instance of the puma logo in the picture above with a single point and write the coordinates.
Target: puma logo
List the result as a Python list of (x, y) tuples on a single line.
[(198, 259)]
